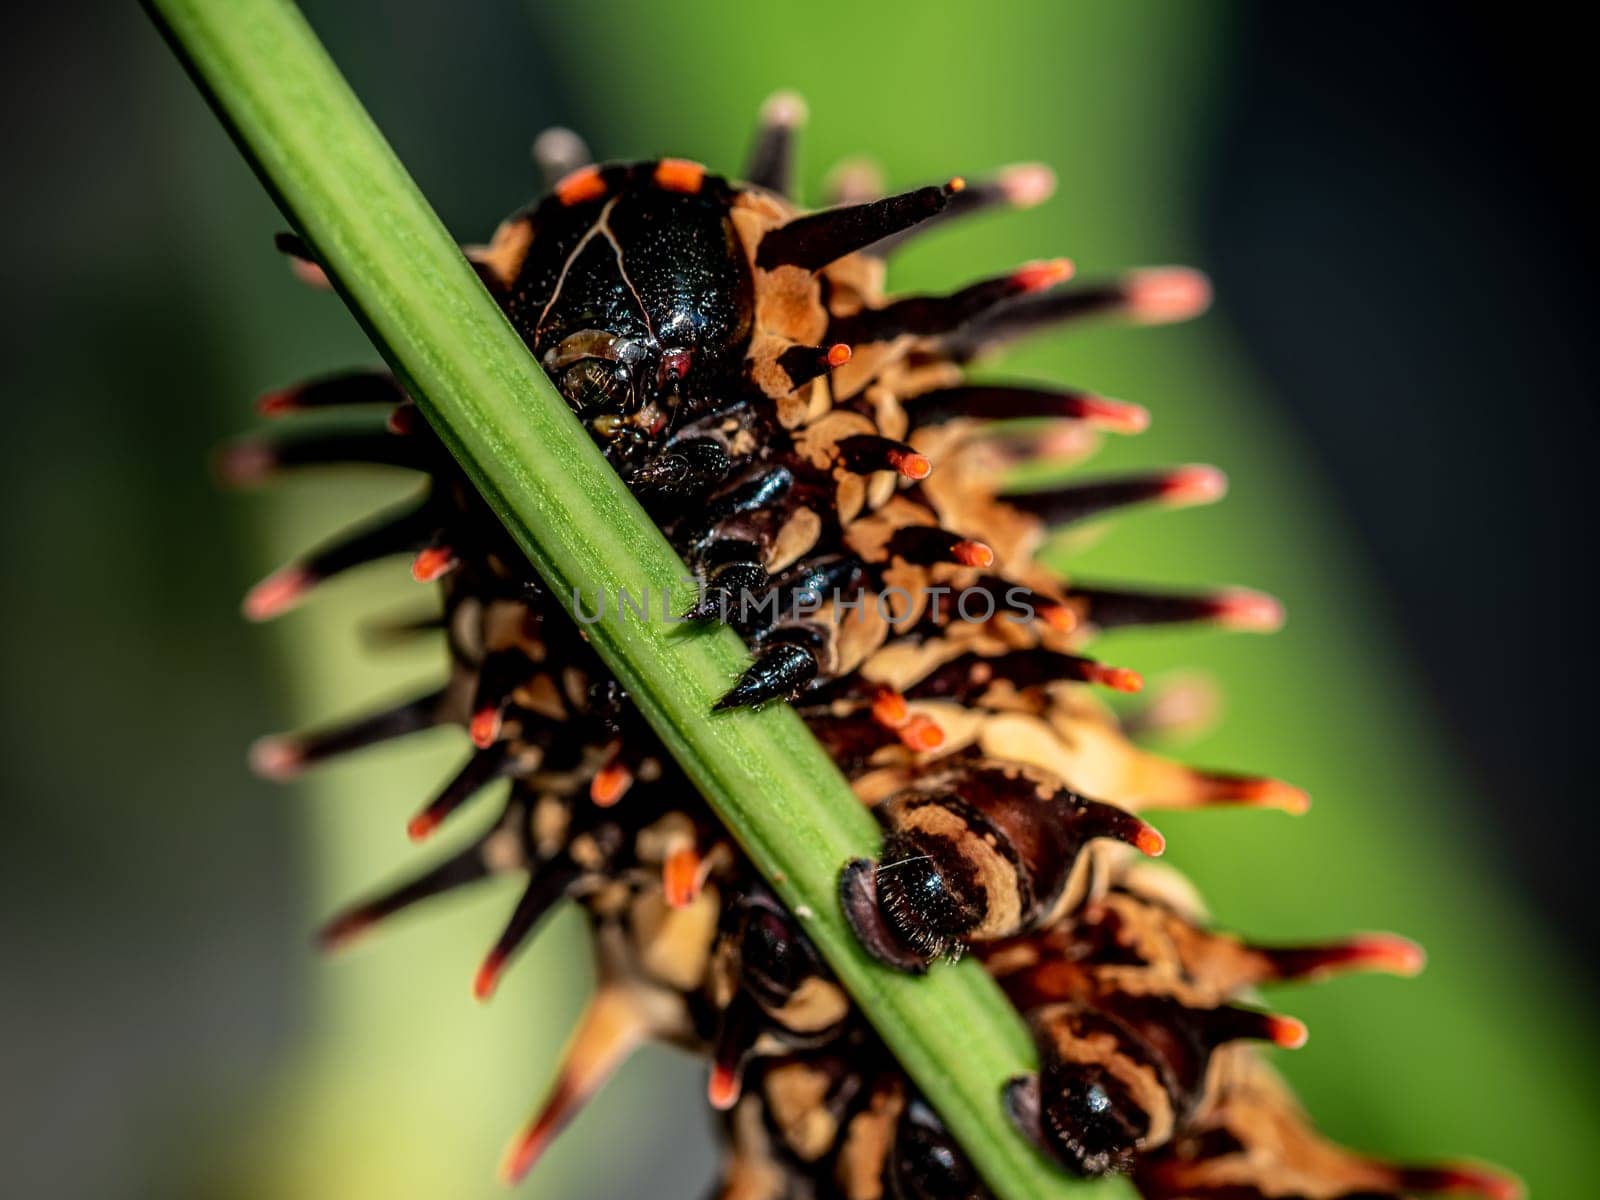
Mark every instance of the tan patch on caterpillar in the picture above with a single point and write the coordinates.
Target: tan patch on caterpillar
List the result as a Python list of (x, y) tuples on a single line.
[(575, 686), (817, 1004), (869, 536), (854, 281), (752, 1172), (818, 442), (507, 626), (866, 365), (656, 841), (502, 851), (1164, 885), (551, 818), (789, 304), (967, 504), (540, 695), (887, 412), (856, 633), (960, 725), (852, 495), (765, 371), (1098, 761), (798, 535), (674, 944), (796, 1095), (872, 788), (867, 1141), (507, 250), (1196, 966)]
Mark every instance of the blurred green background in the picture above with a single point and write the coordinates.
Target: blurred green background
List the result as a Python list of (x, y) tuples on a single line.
[(167, 1030)]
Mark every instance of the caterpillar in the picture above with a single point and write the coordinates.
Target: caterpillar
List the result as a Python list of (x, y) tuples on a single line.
[(836, 484)]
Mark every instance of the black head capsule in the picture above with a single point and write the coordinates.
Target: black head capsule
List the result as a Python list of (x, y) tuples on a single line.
[(636, 298)]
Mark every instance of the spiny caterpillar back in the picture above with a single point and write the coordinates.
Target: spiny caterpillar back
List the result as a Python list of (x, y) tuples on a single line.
[(805, 440)]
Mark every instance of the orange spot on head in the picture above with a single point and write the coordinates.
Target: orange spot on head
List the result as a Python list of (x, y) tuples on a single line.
[(422, 825), (1036, 276), (680, 175), (680, 877), (581, 185), (1288, 1032), (723, 1089), (922, 733), (956, 184), (485, 726), (432, 564), (610, 783), (910, 464), (972, 554), (277, 593), (838, 354)]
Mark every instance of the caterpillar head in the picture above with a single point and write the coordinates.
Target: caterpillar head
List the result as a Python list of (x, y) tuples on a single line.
[(632, 289), (974, 853)]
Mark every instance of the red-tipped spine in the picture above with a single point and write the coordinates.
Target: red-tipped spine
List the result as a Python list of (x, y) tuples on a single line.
[(1161, 295), (433, 563), (278, 593)]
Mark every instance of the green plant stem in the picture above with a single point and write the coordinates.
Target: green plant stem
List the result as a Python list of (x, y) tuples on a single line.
[(389, 256)]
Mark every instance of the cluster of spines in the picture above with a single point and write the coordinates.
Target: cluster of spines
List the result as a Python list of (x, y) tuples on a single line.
[(551, 722)]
